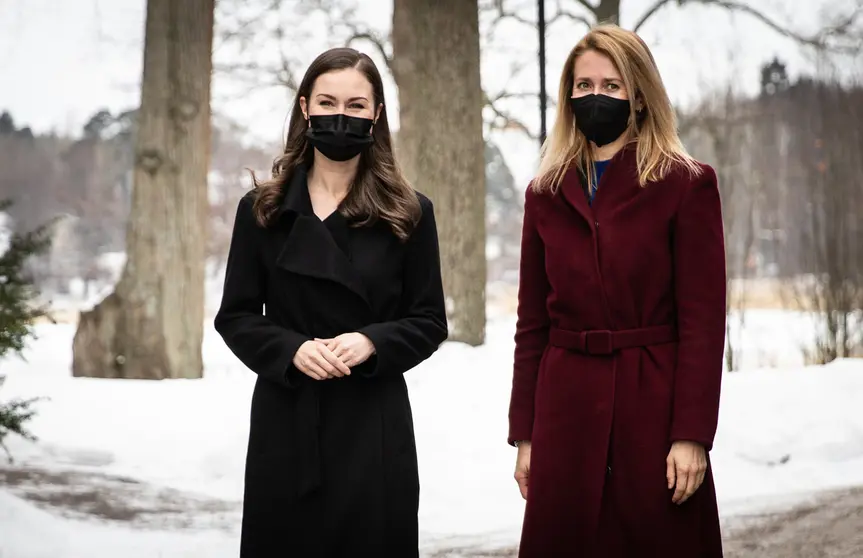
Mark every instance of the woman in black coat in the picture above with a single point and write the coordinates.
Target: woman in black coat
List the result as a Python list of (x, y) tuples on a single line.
[(343, 254)]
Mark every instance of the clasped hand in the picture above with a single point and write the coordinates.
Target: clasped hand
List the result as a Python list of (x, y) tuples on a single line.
[(321, 359)]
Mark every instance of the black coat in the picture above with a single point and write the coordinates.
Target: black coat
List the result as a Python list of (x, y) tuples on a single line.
[(331, 468)]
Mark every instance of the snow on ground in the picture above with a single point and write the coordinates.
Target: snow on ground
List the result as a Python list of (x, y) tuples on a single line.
[(29, 532), (784, 433)]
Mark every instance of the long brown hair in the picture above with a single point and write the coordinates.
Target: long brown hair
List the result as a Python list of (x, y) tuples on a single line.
[(654, 129), (379, 190)]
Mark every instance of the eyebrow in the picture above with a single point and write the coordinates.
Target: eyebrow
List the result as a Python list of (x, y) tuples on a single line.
[(328, 96), (603, 79)]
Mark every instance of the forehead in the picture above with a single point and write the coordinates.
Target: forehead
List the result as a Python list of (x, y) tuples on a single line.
[(595, 65), (343, 83)]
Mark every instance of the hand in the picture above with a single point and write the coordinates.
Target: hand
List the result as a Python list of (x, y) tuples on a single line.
[(522, 467), (317, 362), (686, 467), (352, 349)]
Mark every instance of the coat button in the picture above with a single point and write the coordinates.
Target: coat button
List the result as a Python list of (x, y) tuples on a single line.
[(608, 470)]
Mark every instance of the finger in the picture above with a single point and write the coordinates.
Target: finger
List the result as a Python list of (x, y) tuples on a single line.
[(683, 480), (330, 344), (348, 357), (699, 479), (691, 487), (304, 363), (315, 372), (340, 368), (321, 361), (339, 351), (522, 486), (670, 474)]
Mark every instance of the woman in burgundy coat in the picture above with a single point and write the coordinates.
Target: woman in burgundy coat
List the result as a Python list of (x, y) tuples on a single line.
[(621, 322)]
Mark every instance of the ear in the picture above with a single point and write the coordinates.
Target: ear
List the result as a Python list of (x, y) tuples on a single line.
[(377, 115), (304, 106)]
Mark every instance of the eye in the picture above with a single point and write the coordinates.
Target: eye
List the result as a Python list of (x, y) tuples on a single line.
[(613, 87), (358, 106), (326, 103), (583, 85)]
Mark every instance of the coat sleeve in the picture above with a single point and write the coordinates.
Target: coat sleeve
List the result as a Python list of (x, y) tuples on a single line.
[(699, 279), (403, 343), (262, 345), (532, 325)]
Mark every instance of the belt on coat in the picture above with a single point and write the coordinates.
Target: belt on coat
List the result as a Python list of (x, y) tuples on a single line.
[(607, 342)]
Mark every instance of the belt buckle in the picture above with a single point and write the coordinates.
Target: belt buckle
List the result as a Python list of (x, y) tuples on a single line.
[(598, 342)]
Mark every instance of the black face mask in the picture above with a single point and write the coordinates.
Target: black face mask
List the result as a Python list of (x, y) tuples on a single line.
[(602, 119), (338, 136)]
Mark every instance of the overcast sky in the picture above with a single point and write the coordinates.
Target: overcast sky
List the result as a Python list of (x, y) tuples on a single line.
[(61, 60)]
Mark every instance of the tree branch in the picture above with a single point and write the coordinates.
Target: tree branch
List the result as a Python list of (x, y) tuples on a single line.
[(503, 121), (819, 40), (345, 17), (376, 40), (502, 14), (586, 4), (562, 14), (657, 5)]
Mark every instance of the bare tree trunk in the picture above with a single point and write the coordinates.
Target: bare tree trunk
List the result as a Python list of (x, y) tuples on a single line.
[(441, 147), (608, 11), (151, 326)]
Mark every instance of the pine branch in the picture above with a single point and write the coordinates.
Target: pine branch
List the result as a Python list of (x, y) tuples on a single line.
[(13, 415), (16, 287)]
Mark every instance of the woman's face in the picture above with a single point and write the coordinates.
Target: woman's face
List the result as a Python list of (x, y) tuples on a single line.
[(595, 74), (341, 91)]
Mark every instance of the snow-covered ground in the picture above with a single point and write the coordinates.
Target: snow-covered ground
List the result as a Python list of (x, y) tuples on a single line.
[(784, 433)]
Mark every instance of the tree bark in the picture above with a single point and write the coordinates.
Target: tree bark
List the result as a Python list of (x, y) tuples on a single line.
[(440, 142), (608, 11), (151, 326)]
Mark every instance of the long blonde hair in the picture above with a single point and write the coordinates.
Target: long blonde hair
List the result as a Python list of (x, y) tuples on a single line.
[(653, 129)]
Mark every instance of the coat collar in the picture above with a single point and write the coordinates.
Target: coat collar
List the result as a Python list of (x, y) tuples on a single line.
[(315, 248), (621, 170), (296, 197)]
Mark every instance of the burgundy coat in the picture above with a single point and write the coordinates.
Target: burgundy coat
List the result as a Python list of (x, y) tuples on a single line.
[(619, 345)]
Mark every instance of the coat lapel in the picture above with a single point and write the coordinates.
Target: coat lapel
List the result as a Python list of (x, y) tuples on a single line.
[(617, 181), (310, 248), (572, 192)]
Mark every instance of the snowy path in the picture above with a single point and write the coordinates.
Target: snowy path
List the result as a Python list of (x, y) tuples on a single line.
[(828, 525), (169, 455), (76, 494)]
